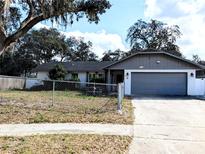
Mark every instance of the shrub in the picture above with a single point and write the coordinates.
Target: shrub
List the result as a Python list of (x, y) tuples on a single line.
[(57, 73), (97, 80)]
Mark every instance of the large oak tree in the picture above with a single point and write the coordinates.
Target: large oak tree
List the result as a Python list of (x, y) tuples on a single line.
[(79, 50), (17, 17), (43, 46), (50, 44), (113, 55), (44, 43), (154, 35)]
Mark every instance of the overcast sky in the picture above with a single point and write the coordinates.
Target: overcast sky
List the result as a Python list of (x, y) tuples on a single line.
[(111, 32)]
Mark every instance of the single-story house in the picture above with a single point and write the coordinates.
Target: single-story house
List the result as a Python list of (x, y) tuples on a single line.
[(144, 73), (84, 71)]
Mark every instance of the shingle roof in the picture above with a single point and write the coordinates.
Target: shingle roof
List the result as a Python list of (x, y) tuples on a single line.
[(80, 66), (148, 51), (93, 66)]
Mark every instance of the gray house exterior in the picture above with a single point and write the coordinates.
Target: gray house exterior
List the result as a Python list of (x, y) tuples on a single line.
[(144, 73)]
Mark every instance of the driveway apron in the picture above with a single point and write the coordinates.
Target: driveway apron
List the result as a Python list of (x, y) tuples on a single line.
[(168, 126)]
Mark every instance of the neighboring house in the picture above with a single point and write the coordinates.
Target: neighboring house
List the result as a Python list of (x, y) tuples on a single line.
[(144, 73), (84, 71)]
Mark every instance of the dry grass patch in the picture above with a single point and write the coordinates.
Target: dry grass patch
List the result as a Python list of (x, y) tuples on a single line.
[(65, 144), (68, 106)]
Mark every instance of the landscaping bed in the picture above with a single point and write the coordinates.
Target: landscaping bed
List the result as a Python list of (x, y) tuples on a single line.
[(65, 144), (62, 107)]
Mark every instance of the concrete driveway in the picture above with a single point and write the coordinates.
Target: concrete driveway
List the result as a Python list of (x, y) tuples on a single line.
[(169, 126)]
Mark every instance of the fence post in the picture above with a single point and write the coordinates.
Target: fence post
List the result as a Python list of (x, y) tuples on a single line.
[(94, 89), (53, 92), (120, 97), (25, 82)]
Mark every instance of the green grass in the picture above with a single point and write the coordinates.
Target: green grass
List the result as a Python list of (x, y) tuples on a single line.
[(69, 144), (68, 106)]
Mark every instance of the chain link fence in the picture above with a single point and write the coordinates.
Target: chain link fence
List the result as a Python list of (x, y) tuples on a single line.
[(61, 96)]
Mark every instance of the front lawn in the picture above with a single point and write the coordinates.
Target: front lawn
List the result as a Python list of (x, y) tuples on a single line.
[(71, 144), (68, 106)]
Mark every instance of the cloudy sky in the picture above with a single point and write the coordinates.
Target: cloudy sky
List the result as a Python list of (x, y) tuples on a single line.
[(111, 32)]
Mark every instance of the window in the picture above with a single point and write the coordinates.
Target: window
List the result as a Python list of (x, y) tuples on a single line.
[(100, 75), (74, 76), (92, 75)]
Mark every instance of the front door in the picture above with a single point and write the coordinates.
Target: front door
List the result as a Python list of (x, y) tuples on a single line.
[(119, 78)]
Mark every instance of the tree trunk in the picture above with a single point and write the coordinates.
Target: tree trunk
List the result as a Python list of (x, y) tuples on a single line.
[(2, 41), (1, 51), (1, 48), (4, 48)]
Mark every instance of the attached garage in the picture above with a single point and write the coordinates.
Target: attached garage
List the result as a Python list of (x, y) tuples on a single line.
[(159, 84), (158, 73)]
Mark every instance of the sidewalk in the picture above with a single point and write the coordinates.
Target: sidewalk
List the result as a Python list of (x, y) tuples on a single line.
[(66, 128)]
